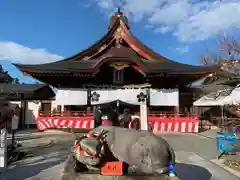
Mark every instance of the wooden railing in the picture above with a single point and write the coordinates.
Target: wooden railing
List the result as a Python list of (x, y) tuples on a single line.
[(169, 114), (65, 114), (89, 114), (216, 122)]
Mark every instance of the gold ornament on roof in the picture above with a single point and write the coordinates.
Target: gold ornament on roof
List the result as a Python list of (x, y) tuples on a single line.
[(119, 66), (118, 36)]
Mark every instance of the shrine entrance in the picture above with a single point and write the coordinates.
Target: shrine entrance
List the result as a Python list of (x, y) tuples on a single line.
[(119, 106)]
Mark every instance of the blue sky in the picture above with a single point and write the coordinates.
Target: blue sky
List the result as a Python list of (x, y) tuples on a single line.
[(43, 31)]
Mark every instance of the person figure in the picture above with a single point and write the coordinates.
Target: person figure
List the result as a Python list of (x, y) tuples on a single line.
[(135, 122), (113, 117), (126, 118), (15, 118), (15, 123), (97, 115), (6, 117)]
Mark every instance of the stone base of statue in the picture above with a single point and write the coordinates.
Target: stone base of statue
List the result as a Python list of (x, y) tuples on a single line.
[(70, 173)]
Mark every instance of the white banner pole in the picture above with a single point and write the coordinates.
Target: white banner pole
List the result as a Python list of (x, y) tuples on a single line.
[(143, 116), (3, 149)]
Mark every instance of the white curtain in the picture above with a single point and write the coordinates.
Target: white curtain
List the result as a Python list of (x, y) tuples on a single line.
[(164, 97), (102, 96), (129, 96), (71, 97)]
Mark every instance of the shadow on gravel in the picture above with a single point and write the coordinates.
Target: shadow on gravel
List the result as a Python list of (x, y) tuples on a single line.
[(43, 159), (32, 169), (31, 137), (63, 132), (192, 172)]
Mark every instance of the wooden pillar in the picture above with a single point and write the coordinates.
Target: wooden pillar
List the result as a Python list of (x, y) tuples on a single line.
[(62, 109), (144, 116), (195, 110), (117, 105), (176, 108), (89, 96), (24, 106), (177, 111)]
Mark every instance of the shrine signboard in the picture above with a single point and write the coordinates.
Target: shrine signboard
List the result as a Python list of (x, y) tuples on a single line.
[(3, 149), (112, 169)]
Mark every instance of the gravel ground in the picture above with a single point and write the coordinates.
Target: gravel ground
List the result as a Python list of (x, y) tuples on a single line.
[(46, 157), (194, 154)]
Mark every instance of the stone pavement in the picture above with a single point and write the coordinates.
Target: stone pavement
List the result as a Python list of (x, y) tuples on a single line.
[(203, 146), (212, 133), (46, 157), (193, 167), (34, 134), (194, 156)]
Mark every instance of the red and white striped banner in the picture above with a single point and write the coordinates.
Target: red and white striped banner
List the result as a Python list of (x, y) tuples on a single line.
[(183, 125), (159, 124), (44, 123)]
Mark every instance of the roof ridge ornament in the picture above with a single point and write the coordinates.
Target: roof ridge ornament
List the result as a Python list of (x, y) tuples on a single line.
[(118, 4), (119, 12), (118, 15)]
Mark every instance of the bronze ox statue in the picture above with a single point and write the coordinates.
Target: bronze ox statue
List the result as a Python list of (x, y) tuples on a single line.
[(142, 151)]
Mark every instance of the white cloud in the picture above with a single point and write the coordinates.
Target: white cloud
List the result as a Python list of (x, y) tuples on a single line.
[(220, 18), (21, 54), (149, 26), (170, 14), (163, 29), (189, 20), (106, 4), (183, 49)]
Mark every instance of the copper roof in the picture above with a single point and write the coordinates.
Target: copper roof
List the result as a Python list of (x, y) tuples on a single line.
[(117, 45)]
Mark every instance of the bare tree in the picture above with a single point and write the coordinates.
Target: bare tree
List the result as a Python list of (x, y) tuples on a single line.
[(226, 54), (16, 81)]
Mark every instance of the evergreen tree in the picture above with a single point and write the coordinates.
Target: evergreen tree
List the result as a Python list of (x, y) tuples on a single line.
[(4, 76), (16, 81)]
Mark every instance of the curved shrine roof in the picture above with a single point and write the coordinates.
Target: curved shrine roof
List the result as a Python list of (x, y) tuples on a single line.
[(118, 45), (170, 67)]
